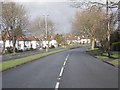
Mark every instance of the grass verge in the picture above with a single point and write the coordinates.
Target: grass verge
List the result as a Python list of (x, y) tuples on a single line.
[(115, 62), (105, 55), (95, 49), (101, 57), (13, 63)]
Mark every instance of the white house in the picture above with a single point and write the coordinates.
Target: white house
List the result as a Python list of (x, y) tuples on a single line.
[(27, 43), (34, 42), (84, 40), (49, 43), (53, 43)]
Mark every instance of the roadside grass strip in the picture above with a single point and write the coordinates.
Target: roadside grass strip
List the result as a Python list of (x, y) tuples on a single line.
[(101, 57), (105, 55), (116, 54), (95, 49), (13, 63), (115, 62)]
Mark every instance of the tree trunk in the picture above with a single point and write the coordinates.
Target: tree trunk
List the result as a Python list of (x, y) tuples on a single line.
[(108, 40), (3, 49), (109, 54), (14, 43), (92, 43)]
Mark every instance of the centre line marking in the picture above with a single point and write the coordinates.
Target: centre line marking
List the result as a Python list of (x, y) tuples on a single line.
[(57, 85), (64, 63), (61, 72), (67, 57)]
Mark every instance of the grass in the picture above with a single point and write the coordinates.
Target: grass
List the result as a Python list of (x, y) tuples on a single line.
[(13, 63), (113, 55), (116, 54), (101, 57), (115, 62), (95, 49)]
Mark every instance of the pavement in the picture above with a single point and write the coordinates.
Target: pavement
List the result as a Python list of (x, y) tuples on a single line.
[(7, 57), (70, 69)]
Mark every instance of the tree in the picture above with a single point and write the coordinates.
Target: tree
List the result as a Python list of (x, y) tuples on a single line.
[(87, 21), (110, 21), (14, 20), (59, 38), (37, 27)]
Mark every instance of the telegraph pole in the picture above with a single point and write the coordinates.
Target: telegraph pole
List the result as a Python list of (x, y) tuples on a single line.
[(46, 30)]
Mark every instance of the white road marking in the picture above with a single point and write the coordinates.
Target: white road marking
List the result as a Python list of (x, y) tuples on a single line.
[(64, 63), (59, 78), (57, 85), (67, 57), (61, 72)]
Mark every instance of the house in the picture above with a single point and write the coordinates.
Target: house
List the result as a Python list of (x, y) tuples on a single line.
[(34, 42), (24, 43), (53, 43), (27, 43), (50, 42), (75, 39)]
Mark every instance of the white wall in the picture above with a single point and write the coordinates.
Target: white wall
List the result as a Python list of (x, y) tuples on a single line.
[(54, 43), (85, 40), (34, 44)]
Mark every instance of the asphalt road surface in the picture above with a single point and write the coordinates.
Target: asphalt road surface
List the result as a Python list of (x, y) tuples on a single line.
[(69, 69)]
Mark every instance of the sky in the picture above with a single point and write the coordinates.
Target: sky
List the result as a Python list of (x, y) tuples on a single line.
[(59, 11)]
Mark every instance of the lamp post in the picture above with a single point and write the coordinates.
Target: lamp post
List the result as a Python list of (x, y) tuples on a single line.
[(46, 32)]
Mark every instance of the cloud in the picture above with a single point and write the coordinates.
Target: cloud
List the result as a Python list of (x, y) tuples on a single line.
[(59, 12), (36, 0)]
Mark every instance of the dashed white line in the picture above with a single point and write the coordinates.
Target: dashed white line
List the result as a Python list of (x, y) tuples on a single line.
[(59, 78), (57, 85), (64, 63), (61, 73), (67, 57)]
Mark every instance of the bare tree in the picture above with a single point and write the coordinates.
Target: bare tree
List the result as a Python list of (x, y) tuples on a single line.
[(87, 21), (109, 21), (13, 19), (37, 27)]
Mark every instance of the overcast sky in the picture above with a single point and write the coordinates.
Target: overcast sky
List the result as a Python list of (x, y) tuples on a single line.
[(59, 11)]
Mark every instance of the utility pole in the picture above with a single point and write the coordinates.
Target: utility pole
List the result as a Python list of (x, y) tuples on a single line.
[(65, 41), (46, 30)]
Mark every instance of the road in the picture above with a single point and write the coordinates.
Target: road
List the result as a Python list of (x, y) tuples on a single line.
[(69, 69)]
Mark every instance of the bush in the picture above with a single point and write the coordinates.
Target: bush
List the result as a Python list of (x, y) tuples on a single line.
[(116, 46)]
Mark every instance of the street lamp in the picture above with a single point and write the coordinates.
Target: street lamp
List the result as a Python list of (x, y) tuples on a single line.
[(46, 30)]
